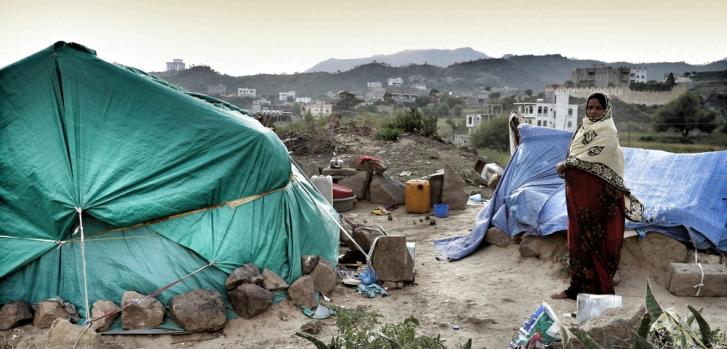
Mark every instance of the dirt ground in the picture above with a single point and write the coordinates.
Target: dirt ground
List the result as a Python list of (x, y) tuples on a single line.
[(487, 296)]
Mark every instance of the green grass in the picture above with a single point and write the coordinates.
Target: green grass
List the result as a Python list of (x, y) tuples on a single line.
[(494, 155)]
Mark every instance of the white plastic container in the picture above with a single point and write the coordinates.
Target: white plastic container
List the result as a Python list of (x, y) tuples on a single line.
[(324, 185), (591, 305)]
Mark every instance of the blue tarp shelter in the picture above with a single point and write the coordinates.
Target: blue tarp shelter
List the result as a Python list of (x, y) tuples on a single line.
[(685, 194)]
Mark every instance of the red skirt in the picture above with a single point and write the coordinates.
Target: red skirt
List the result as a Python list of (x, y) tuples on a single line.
[(595, 232)]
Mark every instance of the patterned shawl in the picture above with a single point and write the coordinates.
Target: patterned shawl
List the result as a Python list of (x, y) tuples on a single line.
[(596, 150)]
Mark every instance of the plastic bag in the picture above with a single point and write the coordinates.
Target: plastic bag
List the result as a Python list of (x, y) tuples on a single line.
[(367, 275)]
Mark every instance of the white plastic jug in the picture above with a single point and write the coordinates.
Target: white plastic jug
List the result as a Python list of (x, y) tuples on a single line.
[(324, 185)]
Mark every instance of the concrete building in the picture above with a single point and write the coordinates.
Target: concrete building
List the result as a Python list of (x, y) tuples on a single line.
[(638, 74), (401, 97), (284, 96), (176, 65), (318, 109), (303, 100), (395, 81), (419, 86), (601, 76), (246, 92), (374, 84), (486, 114), (374, 94), (260, 105), (558, 114)]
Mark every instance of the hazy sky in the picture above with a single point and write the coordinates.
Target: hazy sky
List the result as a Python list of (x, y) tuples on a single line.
[(249, 37)]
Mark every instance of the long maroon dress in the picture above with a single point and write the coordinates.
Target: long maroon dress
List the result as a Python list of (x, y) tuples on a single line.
[(595, 232)]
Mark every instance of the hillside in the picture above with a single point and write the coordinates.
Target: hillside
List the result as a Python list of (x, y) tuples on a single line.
[(523, 72), (440, 58)]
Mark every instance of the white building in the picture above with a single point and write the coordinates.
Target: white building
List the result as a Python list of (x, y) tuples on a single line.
[(302, 100), (404, 97), (318, 109), (284, 96), (487, 114), (374, 85), (638, 75), (260, 105), (176, 65), (395, 82), (246, 92), (217, 90), (559, 114), (420, 86)]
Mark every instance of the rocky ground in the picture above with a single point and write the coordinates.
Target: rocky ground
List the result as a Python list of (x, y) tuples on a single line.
[(486, 296)]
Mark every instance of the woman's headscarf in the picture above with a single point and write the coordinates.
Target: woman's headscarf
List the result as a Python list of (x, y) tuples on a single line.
[(596, 150)]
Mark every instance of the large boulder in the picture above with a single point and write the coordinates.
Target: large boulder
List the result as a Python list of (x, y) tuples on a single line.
[(273, 281), (302, 292), (325, 278), (249, 300), (684, 276), (453, 192), (652, 256), (308, 263), (496, 236), (364, 238), (614, 327), (63, 334), (550, 247), (144, 314), (359, 183), (386, 190), (101, 308), (14, 314), (343, 172), (199, 311), (391, 260), (436, 181), (47, 311), (246, 274)]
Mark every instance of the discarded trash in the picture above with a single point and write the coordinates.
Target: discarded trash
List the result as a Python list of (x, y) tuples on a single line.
[(389, 217), (321, 312), (405, 174), (367, 275), (441, 210), (542, 321), (380, 211), (476, 198), (370, 291), (591, 305), (455, 327)]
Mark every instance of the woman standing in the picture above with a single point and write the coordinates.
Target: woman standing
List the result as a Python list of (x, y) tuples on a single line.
[(597, 200)]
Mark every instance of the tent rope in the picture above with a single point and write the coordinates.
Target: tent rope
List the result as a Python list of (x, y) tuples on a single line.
[(701, 279), (83, 261)]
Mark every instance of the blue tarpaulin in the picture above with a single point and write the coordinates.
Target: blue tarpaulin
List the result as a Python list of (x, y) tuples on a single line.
[(685, 195)]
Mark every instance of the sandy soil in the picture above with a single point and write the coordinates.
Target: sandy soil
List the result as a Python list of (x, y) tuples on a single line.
[(487, 295)]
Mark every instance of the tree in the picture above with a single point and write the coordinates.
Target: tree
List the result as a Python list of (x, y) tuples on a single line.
[(442, 109), (457, 110), (346, 101), (529, 92), (493, 134), (494, 95), (683, 115)]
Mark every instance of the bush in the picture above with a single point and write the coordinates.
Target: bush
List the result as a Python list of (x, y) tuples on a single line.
[(493, 134), (429, 126), (388, 134), (408, 121)]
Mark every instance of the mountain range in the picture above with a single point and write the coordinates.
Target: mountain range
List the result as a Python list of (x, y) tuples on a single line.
[(439, 58)]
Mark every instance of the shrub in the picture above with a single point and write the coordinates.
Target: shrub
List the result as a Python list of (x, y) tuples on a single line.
[(388, 134), (408, 121), (493, 135), (429, 126)]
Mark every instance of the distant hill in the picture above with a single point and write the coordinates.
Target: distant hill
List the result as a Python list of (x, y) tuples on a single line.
[(523, 72), (440, 58)]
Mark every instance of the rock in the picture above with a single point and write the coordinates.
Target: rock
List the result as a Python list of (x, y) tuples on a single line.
[(652, 256), (250, 300), (309, 263), (273, 281), (436, 181), (359, 183), (312, 168), (302, 292), (453, 189), (325, 279), (63, 334), (147, 314), (685, 275), (391, 259), (390, 285), (14, 314), (365, 238), (386, 190), (47, 311), (199, 311), (100, 308), (550, 247), (312, 327), (495, 236), (246, 274), (613, 328), (371, 165), (345, 172)]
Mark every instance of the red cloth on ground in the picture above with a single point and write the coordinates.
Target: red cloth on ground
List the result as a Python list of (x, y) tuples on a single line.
[(595, 232)]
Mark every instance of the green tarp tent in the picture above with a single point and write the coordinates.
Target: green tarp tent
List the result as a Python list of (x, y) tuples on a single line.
[(166, 183)]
